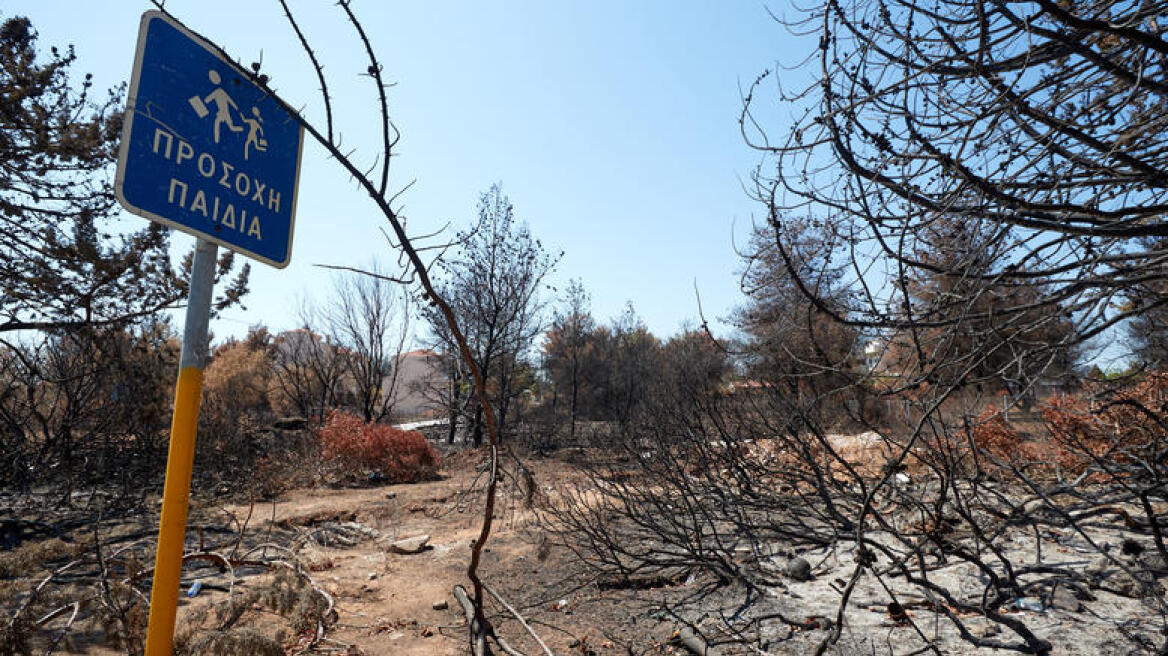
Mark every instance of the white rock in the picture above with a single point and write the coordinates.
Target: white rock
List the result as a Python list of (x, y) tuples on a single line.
[(410, 545)]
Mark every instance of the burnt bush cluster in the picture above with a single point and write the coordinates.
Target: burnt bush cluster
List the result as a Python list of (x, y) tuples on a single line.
[(85, 410), (357, 451)]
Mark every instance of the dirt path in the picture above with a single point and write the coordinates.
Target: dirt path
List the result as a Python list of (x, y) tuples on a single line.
[(392, 603)]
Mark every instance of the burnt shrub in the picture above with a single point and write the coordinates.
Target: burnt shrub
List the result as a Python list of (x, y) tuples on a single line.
[(1117, 433), (375, 452)]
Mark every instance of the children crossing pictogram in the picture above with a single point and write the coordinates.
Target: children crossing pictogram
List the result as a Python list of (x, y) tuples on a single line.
[(224, 106), (255, 133)]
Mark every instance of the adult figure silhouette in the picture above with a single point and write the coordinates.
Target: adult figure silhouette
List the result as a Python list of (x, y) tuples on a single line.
[(223, 105)]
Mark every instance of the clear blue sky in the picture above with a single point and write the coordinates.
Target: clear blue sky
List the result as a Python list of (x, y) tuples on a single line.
[(611, 124)]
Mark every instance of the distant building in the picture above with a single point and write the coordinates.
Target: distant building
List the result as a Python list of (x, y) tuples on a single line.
[(415, 384), (874, 358), (418, 385)]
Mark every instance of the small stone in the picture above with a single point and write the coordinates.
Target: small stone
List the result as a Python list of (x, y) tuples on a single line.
[(1099, 567), (1107, 576), (441, 604), (799, 569), (1063, 598), (1154, 562), (989, 631), (575, 642), (412, 545), (372, 576)]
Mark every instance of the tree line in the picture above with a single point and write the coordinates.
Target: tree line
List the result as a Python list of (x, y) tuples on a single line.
[(977, 301)]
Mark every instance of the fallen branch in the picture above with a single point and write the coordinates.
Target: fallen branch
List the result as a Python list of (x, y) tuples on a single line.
[(694, 642), (511, 651), (477, 632), (643, 581), (32, 596), (76, 607), (519, 617), (318, 635)]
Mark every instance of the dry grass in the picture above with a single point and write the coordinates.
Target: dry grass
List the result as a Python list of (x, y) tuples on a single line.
[(31, 557)]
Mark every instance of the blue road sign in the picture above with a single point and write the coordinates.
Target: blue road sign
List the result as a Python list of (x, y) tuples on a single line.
[(206, 151)]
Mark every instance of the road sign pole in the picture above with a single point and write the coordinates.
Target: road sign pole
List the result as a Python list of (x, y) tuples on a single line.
[(208, 150), (180, 459)]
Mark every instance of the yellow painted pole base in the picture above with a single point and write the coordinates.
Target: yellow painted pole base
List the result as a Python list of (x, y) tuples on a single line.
[(175, 502)]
